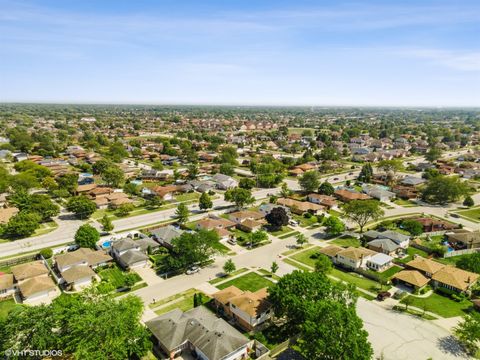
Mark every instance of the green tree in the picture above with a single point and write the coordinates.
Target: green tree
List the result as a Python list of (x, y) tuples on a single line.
[(468, 202), (87, 236), (227, 169), (274, 267), (301, 239), (366, 173), (414, 227), (124, 209), (323, 264), (182, 213), (433, 154), (257, 237), (310, 181), (363, 211), (106, 223), (22, 225), (334, 226), (284, 190), (81, 206), (240, 197), (326, 189), (68, 182), (132, 189), (246, 183), (469, 262), (229, 267), (46, 253), (468, 332), (277, 218), (333, 331), (117, 152), (205, 202), (444, 189), (113, 176)]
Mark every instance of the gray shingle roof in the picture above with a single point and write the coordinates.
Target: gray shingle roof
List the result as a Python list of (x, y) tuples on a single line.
[(166, 234), (213, 336), (385, 244), (132, 257), (124, 244)]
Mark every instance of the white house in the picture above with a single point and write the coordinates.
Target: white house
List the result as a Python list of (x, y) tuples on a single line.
[(379, 262), (353, 258)]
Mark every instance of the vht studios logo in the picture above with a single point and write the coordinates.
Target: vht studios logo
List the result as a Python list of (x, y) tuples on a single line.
[(32, 353)]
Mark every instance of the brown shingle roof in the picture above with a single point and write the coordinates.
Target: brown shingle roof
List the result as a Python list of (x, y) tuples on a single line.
[(458, 278), (412, 277), (6, 281), (77, 272), (425, 265), (356, 253), (29, 270), (330, 250), (36, 285), (224, 295)]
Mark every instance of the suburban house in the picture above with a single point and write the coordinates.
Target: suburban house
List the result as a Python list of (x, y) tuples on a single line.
[(165, 193), (412, 181), (378, 193), (379, 262), (300, 207), (331, 251), (426, 266), (385, 246), (147, 244), (324, 200), (464, 239), (7, 286), (353, 258), (454, 279), (400, 239), (265, 209), (76, 267), (248, 309), (433, 225), (347, 195), (33, 282), (224, 182), (411, 278), (128, 254), (219, 225), (198, 333), (247, 220), (166, 234)]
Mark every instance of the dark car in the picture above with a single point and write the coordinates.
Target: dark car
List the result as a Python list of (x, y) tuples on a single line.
[(383, 295)]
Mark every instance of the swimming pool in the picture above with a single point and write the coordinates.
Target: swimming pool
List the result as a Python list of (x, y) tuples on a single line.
[(106, 244)]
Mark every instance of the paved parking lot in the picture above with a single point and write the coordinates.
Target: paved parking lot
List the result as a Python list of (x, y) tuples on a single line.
[(398, 336)]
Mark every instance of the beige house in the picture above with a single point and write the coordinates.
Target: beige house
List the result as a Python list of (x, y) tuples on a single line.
[(354, 258), (7, 286), (411, 278), (454, 279), (34, 283)]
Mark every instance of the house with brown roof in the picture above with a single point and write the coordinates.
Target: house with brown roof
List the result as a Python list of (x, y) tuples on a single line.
[(219, 225), (248, 309), (354, 258), (331, 251), (454, 279), (300, 207), (347, 195), (411, 278), (7, 286), (426, 266), (7, 213), (327, 201), (464, 239), (432, 225), (34, 283)]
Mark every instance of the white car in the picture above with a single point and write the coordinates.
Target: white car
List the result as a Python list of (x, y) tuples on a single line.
[(293, 223), (193, 270)]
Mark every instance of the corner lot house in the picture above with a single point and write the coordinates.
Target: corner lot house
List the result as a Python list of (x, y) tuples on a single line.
[(248, 309), (354, 258), (198, 332), (426, 266), (454, 279)]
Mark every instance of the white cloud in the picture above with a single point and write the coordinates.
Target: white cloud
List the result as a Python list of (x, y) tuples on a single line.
[(458, 60)]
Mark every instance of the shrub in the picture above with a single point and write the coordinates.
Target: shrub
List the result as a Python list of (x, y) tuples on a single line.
[(46, 253)]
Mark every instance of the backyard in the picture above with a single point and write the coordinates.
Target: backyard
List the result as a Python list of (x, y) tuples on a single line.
[(346, 242), (248, 282), (6, 306)]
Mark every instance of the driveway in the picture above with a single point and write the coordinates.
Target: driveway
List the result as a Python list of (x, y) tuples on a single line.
[(397, 336), (148, 275)]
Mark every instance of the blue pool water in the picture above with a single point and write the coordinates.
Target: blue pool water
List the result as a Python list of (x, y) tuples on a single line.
[(106, 244)]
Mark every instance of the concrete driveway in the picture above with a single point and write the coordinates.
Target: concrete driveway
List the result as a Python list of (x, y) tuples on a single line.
[(148, 275), (397, 336)]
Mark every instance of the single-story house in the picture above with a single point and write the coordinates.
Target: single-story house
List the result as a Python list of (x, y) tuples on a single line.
[(198, 332), (378, 192), (37, 288), (248, 309), (240, 216), (29, 270), (411, 278), (432, 225), (82, 256), (132, 259), (147, 243), (379, 262), (166, 234), (265, 209), (79, 276), (328, 201), (300, 207), (224, 182), (219, 225), (464, 239), (331, 251), (385, 246), (347, 195), (426, 266), (400, 239), (412, 181), (454, 279)]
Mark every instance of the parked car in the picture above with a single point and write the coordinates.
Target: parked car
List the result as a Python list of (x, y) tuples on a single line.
[(383, 295), (232, 241), (193, 270), (73, 247), (335, 179), (454, 215), (293, 223)]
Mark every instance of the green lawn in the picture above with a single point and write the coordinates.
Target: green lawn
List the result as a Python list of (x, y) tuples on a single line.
[(472, 214), (441, 305), (115, 276), (223, 278), (184, 304), (172, 298), (284, 230), (359, 281), (295, 264), (6, 306), (289, 235), (220, 247), (335, 213), (251, 281), (346, 242), (45, 228), (307, 257), (187, 197), (387, 274), (305, 222), (411, 251), (405, 203)]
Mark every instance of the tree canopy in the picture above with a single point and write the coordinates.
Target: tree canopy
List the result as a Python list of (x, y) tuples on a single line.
[(444, 189), (87, 236), (310, 181), (240, 197), (363, 211)]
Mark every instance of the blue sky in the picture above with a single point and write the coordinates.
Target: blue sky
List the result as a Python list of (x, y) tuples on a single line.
[(411, 53)]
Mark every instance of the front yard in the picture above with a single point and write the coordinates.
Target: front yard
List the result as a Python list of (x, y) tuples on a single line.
[(405, 203), (440, 304), (116, 276), (472, 214), (346, 242), (248, 282), (307, 257), (184, 304)]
